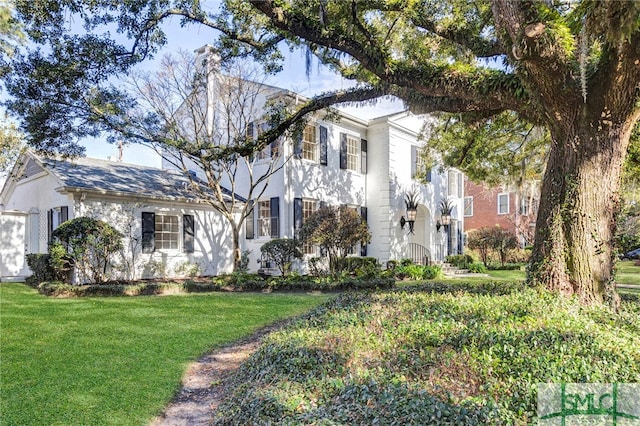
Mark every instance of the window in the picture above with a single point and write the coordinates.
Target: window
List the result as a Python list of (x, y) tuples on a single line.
[(56, 217), (167, 232), (452, 183), (309, 207), (352, 153), (163, 232), (468, 206), (253, 132), (524, 206), (503, 203), (264, 218), (309, 144)]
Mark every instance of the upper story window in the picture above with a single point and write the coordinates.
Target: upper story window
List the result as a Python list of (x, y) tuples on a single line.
[(254, 131), (468, 206), (353, 153), (264, 218), (309, 144), (454, 184), (503, 203)]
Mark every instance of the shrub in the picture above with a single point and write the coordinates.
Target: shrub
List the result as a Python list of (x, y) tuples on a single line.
[(477, 267), (281, 251), (459, 260), (86, 244), (431, 272), (42, 270), (362, 267)]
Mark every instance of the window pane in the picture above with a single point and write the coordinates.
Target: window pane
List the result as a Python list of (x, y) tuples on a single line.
[(264, 218), (167, 232), (309, 143), (352, 153)]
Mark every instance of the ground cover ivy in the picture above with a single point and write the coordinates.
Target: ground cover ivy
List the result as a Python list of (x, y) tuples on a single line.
[(432, 354)]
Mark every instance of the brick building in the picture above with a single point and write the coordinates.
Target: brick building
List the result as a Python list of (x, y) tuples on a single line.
[(502, 206)]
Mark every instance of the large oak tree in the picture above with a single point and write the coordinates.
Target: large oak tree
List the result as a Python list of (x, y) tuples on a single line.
[(572, 67)]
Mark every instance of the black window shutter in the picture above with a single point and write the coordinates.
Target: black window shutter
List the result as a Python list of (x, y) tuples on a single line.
[(343, 151), (188, 233), (249, 221), (414, 160), (363, 216), (363, 156), (297, 215), (275, 148), (324, 141), (49, 224), (428, 178), (297, 146), (275, 217), (148, 232), (64, 214)]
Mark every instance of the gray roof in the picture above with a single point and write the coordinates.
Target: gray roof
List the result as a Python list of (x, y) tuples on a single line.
[(113, 177)]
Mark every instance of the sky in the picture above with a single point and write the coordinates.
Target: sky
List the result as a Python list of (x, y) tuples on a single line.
[(293, 77)]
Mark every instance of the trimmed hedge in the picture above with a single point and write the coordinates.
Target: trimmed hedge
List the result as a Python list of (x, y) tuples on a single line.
[(233, 282)]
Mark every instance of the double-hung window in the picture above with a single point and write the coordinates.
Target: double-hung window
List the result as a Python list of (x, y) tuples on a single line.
[(309, 207), (468, 206), (503, 203), (310, 144), (167, 232), (264, 218), (353, 153)]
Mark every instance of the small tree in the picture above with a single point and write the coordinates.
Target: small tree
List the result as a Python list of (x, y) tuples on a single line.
[(480, 239), (86, 244), (336, 230), (504, 240), (282, 251)]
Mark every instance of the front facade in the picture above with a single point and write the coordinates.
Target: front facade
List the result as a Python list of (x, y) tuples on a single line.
[(167, 232)]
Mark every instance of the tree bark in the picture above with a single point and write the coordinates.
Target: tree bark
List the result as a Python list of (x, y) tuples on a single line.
[(573, 252), (237, 254)]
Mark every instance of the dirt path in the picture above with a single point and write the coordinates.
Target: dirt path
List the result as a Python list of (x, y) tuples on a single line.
[(203, 384)]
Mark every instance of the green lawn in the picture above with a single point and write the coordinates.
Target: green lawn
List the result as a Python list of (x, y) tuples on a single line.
[(627, 273), (98, 361)]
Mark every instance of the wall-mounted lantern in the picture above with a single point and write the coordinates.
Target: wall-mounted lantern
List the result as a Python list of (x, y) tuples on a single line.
[(411, 201), (446, 206)]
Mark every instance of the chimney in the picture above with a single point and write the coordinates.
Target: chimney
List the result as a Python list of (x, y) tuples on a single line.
[(207, 58)]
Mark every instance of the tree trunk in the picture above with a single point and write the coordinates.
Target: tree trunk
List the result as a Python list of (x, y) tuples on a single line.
[(573, 252), (237, 254)]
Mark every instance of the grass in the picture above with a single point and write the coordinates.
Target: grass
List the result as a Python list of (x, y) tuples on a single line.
[(627, 273), (115, 361), (432, 355)]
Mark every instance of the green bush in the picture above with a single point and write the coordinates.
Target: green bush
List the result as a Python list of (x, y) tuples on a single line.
[(85, 244), (477, 268), (362, 267), (506, 267), (431, 272), (282, 251), (459, 260), (40, 265)]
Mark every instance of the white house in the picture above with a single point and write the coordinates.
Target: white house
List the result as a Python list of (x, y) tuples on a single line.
[(370, 165), (168, 232)]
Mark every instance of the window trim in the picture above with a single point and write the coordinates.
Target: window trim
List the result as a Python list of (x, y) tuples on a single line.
[(503, 194), (464, 206), (162, 233), (263, 222), (315, 143)]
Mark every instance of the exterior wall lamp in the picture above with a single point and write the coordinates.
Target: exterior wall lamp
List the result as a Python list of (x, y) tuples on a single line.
[(445, 215), (411, 201)]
